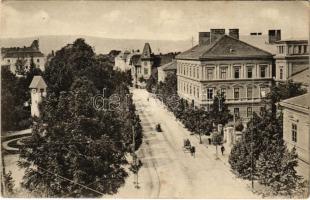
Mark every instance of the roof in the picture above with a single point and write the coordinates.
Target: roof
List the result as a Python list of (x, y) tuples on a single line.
[(225, 47), (135, 60), (260, 41), (302, 77), (22, 52), (38, 83), (169, 66), (299, 102), (146, 53), (293, 40)]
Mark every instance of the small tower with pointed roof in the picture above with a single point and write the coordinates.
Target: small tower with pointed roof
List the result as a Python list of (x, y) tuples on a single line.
[(38, 91), (147, 61)]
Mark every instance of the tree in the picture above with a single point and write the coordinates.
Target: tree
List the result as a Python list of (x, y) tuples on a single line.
[(276, 169), (8, 184), (76, 150), (14, 115), (220, 113), (152, 81), (284, 90), (259, 129), (20, 66)]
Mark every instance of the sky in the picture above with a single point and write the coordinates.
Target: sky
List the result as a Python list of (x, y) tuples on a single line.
[(158, 20)]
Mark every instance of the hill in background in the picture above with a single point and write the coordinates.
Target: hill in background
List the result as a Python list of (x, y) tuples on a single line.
[(100, 45)]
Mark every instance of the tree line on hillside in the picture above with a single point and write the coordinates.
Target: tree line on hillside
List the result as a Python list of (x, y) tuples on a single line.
[(76, 150)]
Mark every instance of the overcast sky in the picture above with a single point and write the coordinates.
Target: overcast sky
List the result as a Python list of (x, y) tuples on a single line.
[(150, 20)]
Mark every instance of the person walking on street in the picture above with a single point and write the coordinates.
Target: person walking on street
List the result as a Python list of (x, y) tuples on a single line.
[(222, 149)]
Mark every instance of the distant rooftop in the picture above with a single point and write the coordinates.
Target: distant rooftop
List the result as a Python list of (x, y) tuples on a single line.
[(22, 52)]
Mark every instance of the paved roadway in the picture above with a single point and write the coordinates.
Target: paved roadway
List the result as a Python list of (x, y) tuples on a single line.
[(167, 171)]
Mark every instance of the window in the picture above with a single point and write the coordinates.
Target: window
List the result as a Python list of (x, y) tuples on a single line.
[(281, 49), (145, 63), (194, 72), (190, 89), (249, 112), (249, 93), (281, 73), (194, 91), (146, 71), (190, 71), (38, 60), (198, 92), (210, 93), (263, 92), (262, 110), (263, 71), (210, 74), (197, 72), (223, 92), (305, 48), (250, 72), (236, 112), (237, 72), (9, 60), (300, 49), (223, 73), (294, 132), (236, 93)]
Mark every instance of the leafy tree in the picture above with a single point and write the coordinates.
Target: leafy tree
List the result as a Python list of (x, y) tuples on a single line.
[(21, 66), (76, 150), (284, 90), (14, 115), (266, 127), (219, 112), (276, 169), (8, 183), (152, 81)]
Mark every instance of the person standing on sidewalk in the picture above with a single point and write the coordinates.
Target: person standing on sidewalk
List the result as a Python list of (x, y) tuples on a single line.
[(222, 149)]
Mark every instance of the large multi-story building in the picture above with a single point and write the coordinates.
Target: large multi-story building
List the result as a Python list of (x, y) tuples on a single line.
[(9, 57), (296, 129), (222, 63)]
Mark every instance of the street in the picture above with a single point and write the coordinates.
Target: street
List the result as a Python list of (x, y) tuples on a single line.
[(169, 172)]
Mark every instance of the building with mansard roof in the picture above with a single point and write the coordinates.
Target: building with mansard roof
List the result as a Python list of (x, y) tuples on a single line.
[(224, 64), (9, 57)]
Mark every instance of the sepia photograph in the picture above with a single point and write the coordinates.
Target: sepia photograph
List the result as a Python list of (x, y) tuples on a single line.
[(155, 99)]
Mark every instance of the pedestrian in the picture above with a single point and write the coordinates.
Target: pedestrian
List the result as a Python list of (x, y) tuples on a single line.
[(209, 139), (147, 99), (222, 149), (193, 150)]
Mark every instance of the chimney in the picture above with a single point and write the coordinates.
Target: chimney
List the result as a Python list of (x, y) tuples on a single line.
[(204, 38), (234, 33), (216, 33), (274, 35)]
